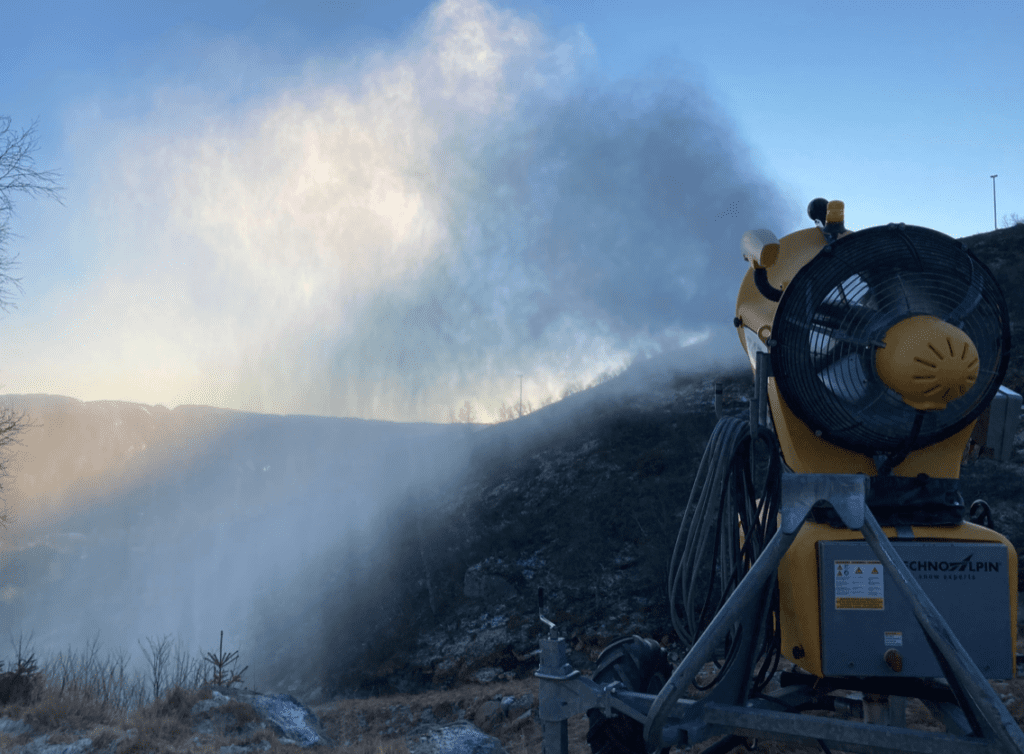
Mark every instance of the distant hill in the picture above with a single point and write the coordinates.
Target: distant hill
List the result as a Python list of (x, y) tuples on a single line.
[(77, 454)]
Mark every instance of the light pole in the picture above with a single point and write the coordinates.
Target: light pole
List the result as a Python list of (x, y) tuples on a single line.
[(994, 224), (520, 395)]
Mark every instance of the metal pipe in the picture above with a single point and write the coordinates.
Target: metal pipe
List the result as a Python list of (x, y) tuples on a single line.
[(981, 699), (763, 371), (554, 724), (995, 225), (845, 735)]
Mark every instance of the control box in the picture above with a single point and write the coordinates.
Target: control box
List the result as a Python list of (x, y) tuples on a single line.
[(864, 615)]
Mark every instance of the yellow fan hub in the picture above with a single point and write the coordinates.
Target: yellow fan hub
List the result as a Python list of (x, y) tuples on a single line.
[(927, 361)]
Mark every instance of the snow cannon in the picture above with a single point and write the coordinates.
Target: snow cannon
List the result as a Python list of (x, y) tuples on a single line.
[(826, 559)]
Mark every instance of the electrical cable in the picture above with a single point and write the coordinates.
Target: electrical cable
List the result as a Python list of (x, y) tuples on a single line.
[(708, 560)]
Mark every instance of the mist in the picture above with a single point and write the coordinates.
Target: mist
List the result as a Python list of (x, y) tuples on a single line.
[(385, 237), (390, 234), (132, 523)]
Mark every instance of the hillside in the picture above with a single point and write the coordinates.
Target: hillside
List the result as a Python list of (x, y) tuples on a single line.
[(587, 509), (1003, 252), (457, 526)]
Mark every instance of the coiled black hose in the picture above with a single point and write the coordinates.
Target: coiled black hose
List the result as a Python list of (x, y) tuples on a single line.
[(708, 560)]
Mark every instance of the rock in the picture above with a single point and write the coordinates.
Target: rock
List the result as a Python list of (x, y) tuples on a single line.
[(515, 706), (486, 675), (458, 738), (13, 727), (518, 705), (488, 715), (520, 721), (291, 720), (216, 716)]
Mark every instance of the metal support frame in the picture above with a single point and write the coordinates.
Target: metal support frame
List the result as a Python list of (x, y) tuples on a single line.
[(978, 723)]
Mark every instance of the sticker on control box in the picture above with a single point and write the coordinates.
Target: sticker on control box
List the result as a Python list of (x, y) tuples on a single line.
[(859, 585)]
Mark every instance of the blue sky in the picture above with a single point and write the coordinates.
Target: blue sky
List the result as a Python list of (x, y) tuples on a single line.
[(385, 209)]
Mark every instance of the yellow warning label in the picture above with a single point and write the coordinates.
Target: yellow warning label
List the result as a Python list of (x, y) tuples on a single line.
[(859, 603), (859, 585)]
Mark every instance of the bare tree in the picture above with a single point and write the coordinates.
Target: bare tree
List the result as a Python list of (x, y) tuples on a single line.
[(571, 389), (467, 415), (515, 411), (17, 173), (506, 412)]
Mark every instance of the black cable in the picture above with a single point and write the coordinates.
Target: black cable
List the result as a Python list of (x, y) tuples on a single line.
[(767, 524), (899, 455), (708, 560), (981, 514)]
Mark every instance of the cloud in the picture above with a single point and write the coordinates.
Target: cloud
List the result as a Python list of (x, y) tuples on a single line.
[(387, 236)]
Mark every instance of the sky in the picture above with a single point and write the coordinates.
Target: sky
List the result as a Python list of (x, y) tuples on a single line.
[(386, 209)]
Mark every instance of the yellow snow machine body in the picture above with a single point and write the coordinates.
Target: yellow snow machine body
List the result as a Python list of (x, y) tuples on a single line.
[(827, 526)]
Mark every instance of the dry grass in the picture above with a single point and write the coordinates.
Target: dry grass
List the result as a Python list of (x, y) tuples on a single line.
[(380, 724), (78, 696)]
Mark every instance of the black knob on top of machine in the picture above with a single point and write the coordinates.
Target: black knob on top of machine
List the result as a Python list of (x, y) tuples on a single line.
[(817, 210)]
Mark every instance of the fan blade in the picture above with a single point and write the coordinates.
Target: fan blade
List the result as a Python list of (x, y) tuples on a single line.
[(847, 378)]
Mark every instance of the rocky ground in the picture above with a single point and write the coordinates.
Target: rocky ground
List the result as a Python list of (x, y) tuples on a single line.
[(491, 718)]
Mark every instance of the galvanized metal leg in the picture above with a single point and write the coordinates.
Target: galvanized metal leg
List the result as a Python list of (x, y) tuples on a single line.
[(970, 686), (746, 596), (554, 711), (556, 737), (885, 709)]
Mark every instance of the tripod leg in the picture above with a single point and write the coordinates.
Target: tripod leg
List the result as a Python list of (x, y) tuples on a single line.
[(969, 685), (745, 598)]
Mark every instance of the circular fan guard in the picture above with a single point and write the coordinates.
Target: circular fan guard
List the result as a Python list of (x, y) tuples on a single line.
[(836, 311)]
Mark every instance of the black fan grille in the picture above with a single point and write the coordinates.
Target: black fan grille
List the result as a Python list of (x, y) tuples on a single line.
[(836, 311)]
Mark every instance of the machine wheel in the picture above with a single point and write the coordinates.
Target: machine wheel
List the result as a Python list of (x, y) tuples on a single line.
[(640, 665)]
